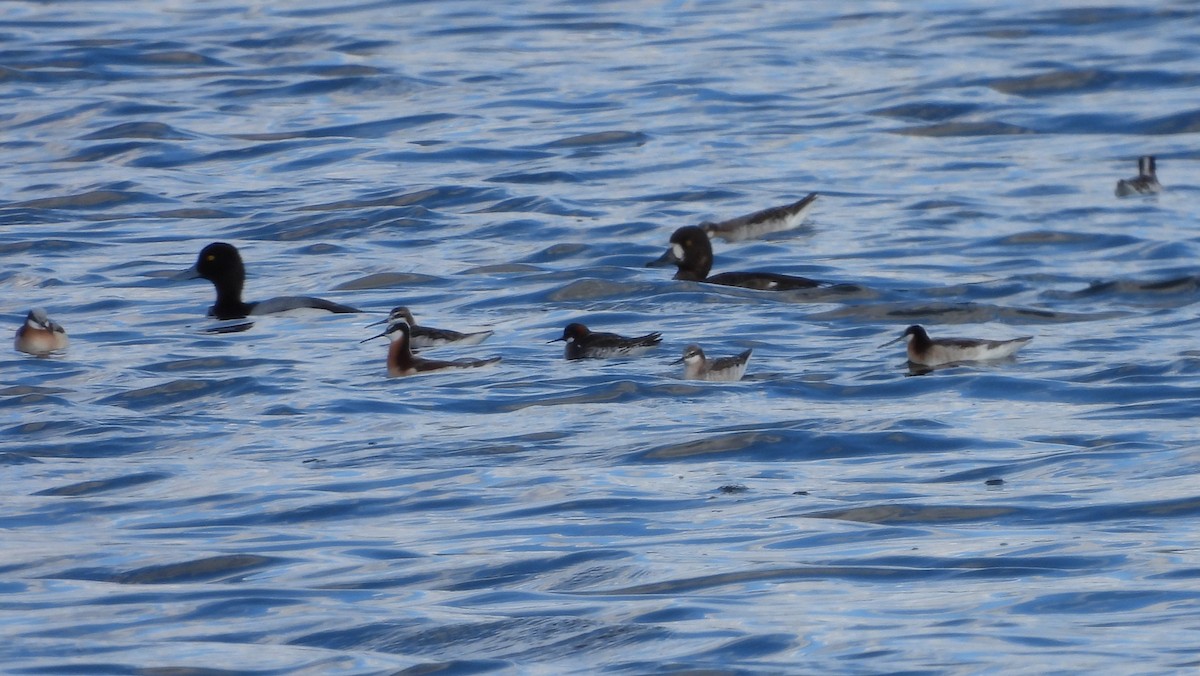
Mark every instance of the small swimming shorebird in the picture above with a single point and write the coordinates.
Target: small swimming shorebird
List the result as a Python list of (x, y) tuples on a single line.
[(428, 336), (759, 223), (402, 362), (1145, 183), (39, 334), (583, 343), (723, 369), (925, 351)]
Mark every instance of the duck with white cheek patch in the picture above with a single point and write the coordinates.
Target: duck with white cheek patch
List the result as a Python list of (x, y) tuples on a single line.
[(692, 254)]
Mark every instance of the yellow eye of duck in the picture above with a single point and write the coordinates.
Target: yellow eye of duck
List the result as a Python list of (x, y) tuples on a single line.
[(211, 257)]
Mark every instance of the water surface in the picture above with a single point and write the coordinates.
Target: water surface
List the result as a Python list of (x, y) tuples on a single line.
[(269, 500)]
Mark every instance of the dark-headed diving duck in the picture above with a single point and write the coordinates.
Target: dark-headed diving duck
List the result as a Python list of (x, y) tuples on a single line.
[(221, 264), (692, 253)]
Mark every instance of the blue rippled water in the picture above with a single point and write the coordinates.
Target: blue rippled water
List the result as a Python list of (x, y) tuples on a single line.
[(268, 501)]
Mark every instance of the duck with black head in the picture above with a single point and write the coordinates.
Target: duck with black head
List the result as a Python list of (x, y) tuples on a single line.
[(221, 264), (691, 252)]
